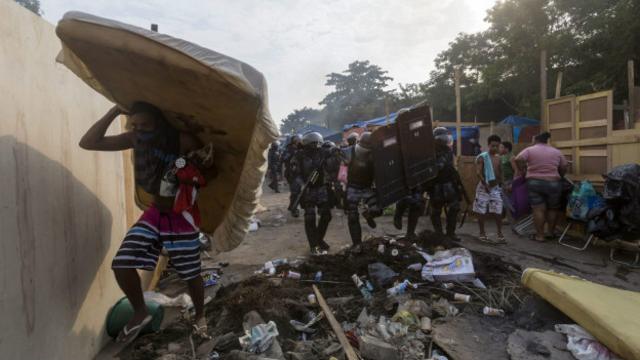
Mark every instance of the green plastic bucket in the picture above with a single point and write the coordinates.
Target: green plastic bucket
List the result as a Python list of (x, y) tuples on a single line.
[(122, 311)]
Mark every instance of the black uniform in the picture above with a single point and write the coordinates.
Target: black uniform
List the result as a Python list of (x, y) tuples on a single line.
[(415, 203), (333, 161), (316, 196), (289, 173), (444, 192), (274, 166), (360, 189)]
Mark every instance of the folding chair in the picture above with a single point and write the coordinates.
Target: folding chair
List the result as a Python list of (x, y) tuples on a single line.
[(627, 247), (563, 242), (524, 226)]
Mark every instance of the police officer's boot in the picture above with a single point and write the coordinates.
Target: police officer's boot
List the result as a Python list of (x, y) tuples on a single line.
[(323, 224), (452, 220), (397, 217), (311, 231), (414, 215), (355, 231), (436, 221)]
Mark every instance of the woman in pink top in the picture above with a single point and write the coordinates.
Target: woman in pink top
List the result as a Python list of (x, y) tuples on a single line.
[(545, 166)]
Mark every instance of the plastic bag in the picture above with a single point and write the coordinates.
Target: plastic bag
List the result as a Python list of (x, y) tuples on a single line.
[(583, 198), (582, 345), (183, 300), (381, 274), (342, 173)]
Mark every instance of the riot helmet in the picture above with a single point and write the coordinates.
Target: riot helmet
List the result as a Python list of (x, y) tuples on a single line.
[(352, 139), (441, 135), (313, 139), (365, 144)]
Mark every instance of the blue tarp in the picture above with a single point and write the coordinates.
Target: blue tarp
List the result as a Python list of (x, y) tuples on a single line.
[(373, 122), (518, 122)]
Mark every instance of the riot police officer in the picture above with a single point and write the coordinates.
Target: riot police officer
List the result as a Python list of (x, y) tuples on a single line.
[(444, 191), (273, 158), (294, 146), (360, 189), (310, 169), (334, 158), (415, 203)]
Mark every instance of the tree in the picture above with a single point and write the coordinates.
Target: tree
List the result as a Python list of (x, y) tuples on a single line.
[(299, 119), (33, 5), (359, 94)]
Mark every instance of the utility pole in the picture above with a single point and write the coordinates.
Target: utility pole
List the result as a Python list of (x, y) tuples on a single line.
[(456, 78), (543, 85), (558, 84), (632, 95)]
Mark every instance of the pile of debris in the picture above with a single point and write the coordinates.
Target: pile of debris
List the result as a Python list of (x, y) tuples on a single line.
[(387, 302)]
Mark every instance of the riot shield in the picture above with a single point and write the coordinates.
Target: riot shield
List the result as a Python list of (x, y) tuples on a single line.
[(416, 143), (388, 165)]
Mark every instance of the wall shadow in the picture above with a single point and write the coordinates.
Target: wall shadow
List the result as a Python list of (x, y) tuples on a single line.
[(55, 235)]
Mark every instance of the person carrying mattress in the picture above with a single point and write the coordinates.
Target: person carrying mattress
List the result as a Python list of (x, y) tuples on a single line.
[(160, 169)]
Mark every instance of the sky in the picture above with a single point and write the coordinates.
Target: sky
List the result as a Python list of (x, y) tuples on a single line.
[(296, 43)]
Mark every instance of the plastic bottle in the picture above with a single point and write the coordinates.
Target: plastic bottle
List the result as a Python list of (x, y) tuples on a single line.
[(489, 311), (278, 262), (361, 286), (318, 276), (399, 288)]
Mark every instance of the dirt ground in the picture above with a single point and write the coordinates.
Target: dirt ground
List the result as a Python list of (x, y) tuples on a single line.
[(282, 300), (281, 235)]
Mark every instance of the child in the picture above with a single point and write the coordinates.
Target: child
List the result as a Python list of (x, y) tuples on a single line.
[(488, 200)]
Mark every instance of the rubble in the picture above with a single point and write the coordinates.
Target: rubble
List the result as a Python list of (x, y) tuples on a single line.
[(403, 325)]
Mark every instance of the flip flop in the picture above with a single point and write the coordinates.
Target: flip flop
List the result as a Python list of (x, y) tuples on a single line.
[(501, 240), (128, 335), (485, 239)]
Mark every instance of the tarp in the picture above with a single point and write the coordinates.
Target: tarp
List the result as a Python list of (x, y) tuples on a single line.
[(220, 99), (379, 121), (611, 315), (518, 122)]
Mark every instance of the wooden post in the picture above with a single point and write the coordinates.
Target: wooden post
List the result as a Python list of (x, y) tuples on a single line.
[(456, 77), (558, 84), (632, 95), (335, 325), (543, 84)]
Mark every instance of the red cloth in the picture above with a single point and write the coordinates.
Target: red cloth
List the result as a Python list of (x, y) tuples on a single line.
[(190, 179)]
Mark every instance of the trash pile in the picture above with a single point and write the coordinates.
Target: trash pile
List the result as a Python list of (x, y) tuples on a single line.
[(386, 303)]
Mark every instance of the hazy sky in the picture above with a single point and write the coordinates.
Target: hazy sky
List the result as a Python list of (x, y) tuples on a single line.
[(295, 43)]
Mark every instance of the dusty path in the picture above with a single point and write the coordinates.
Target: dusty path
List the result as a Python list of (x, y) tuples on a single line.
[(283, 236)]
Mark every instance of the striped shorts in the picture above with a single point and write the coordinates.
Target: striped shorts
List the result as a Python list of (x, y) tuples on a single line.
[(141, 246)]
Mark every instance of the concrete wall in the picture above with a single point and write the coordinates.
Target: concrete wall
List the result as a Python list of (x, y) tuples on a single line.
[(62, 209)]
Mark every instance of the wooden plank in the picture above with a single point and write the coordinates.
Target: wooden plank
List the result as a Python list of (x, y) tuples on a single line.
[(632, 99), (593, 123), (453, 123), (609, 140), (335, 325), (543, 83), (458, 111), (598, 152), (564, 125)]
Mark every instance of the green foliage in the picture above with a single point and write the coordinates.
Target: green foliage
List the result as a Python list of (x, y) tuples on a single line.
[(299, 119), (33, 5), (590, 41), (359, 94)]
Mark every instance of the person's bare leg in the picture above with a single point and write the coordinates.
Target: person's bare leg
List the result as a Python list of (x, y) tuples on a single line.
[(481, 224), (129, 282), (552, 220), (498, 218), (196, 290), (539, 215)]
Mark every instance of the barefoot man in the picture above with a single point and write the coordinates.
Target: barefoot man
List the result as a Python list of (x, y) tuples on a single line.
[(156, 147)]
